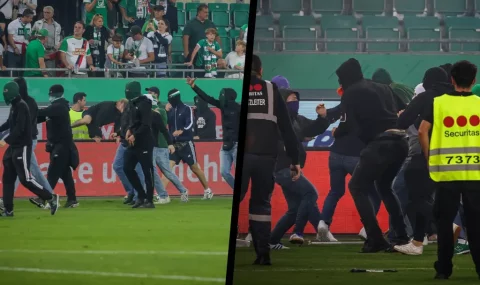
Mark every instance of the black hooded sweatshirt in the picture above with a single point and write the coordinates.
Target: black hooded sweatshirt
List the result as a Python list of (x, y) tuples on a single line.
[(33, 108), (59, 130), (369, 107), (102, 114), (304, 128), (436, 83), (205, 120), (18, 123), (141, 122), (230, 111)]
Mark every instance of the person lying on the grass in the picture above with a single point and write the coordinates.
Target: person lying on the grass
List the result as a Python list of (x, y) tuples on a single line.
[(99, 115)]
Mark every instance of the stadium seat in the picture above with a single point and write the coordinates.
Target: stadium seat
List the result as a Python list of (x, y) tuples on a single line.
[(292, 6), (409, 7), (382, 33), (327, 7), (379, 21), (177, 42), (239, 13), (219, 14), (296, 21), (463, 28), (422, 28), (293, 32), (180, 5), (226, 45), (340, 27), (420, 22), (182, 19), (264, 33), (263, 21), (449, 7), (191, 9), (222, 32), (234, 34), (464, 33), (368, 6)]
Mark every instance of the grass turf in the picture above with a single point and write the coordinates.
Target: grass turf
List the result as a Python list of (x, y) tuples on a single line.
[(105, 242), (331, 264)]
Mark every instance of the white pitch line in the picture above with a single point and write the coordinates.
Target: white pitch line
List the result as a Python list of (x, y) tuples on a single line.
[(337, 269), (112, 274), (115, 252)]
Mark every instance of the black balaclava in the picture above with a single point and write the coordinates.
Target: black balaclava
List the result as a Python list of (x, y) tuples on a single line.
[(349, 73), (22, 85), (174, 97), (227, 95), (433, 76), (201, 105)]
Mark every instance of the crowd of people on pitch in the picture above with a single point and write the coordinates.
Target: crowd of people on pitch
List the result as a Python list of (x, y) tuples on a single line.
[(148, 134), (384, 140)]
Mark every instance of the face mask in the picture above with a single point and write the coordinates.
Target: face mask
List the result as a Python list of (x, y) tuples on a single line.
[(174, 99), (7, 98), (340, 91), (293, 106), (51, 99)]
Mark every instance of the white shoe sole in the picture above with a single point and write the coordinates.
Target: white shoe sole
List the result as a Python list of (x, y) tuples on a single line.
[(399, 249), (58, 204), (322, 234)]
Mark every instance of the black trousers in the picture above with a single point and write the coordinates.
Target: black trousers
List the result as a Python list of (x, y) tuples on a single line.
[(16, 162), (447, 202), (379, 163), (260, 170), (60, 158), (420, 192), (144, 156)]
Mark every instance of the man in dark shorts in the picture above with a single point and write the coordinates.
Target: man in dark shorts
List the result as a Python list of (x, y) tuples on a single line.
[(180, 122), (99, 115)]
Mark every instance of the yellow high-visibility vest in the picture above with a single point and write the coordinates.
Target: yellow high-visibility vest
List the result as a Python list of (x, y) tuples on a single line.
[(79, 133), (455, 140)]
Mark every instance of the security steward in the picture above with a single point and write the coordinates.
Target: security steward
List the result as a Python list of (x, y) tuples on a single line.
[(76, 114), (453, 154), (16, 160), (140, 140), (60, 145), (267, 122), (230, 120)]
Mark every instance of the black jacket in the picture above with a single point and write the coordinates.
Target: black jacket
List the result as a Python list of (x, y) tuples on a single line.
[(172, 17), (230, 114), (436, 83), (140, 122), (102, 114), (369, 107), (19, 124), (57, 116), (205, 123), (159, 126), (262, 136), (33, 108)]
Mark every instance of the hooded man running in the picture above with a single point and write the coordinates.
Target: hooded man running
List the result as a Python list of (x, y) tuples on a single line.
[(180, 123)]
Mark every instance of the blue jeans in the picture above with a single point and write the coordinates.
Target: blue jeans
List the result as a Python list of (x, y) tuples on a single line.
[(400, 188), (227, 158), (118, 168), (301, 198), (36, 172), (340, 165), (161, 159)]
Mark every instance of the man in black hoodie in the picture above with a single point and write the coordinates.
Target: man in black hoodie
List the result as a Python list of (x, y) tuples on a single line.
[(34, 167), (205, 121), (418, 184), (371, 115), (60, 145), (16, 159), (230, 120), (301, 195), (141, 142)]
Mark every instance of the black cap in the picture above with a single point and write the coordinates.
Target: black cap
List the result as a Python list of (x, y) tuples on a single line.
[(56, 89), (154, 90), (135, 30), (159, 8)]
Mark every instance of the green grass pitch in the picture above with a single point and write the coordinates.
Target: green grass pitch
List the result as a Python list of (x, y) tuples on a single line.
[(105, 242)]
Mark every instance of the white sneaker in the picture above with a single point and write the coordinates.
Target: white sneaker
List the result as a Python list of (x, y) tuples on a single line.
[(249, 237), (409, 249), (242, 243), (1, 203), (322, 232), (163, 200), (184, 196), (296, 239), (331, 238), (425, 241), (207, 195), (156, 199), (278, 246), (363, 234)]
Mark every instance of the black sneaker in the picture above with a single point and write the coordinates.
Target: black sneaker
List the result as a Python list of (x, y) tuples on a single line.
[(54, 203), (148, 205), (263, 260), (6, 214), (138, 204), (71, 204), (128, 200), (374, 247), (132, 202), (441, 276), (39, 202)]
